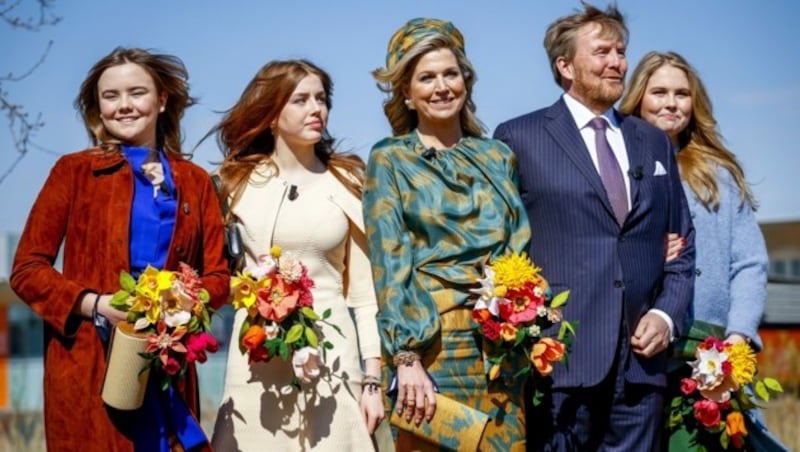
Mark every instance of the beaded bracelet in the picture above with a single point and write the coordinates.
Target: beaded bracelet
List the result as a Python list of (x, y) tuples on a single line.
[(406, 358)]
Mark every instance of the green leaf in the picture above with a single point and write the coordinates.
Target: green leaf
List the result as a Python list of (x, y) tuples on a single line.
[(127, 282), (675, 418), (522, 334), (773, 385), (311, 337), (560, 299), (538, 397), (724, 440), (120, 301), (309, 313), (283, 351), (327, 313), (676, 402), (203, 296), (328, 345), (566, 327), (761, 390), (294, 334)]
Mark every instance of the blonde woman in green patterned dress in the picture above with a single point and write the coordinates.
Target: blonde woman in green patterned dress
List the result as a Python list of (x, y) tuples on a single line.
[(440, 200)]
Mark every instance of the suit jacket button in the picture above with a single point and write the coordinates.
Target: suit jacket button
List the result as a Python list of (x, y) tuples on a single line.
[(179, 250), (618, 284)]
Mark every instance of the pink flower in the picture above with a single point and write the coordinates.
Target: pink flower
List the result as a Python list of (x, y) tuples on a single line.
[(191, 280), (707, 413), (491, 329), (688, 386), (197, 344), (305, 284), (164, 341), (278, 301), (522, 305), (172, 366)]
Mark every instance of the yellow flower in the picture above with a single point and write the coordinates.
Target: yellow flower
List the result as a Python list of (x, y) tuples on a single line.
[(152, 282), (243, 289), (743, 362), (508, 332), (275, 251), (514, 270), (494, 372), (734, 427)]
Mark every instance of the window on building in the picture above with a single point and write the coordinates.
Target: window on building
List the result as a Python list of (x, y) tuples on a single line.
[(795, 265), (778, 267)]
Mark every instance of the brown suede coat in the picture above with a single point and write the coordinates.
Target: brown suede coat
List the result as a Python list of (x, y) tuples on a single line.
[(86, 204)]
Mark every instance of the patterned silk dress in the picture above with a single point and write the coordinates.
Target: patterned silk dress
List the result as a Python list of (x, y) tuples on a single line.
[(432, 221)]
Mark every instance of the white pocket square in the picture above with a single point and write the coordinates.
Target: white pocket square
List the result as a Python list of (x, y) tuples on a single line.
[(660, 171)]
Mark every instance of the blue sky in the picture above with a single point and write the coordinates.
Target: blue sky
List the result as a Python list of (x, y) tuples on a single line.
[(747, 53)]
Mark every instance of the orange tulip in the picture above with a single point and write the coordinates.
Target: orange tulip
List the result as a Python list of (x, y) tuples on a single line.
[(735, 428), (545, 352), (508, 332), (254, 337)]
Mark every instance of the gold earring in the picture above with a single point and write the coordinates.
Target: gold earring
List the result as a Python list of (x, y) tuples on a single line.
[(409, 104)]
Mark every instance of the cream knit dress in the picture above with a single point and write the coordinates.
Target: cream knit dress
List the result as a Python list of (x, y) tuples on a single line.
[(323, 228)]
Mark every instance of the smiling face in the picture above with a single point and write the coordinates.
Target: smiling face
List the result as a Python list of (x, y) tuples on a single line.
[(596, 73), (667, 101), (437, 90), (130, 104), (303, 119)]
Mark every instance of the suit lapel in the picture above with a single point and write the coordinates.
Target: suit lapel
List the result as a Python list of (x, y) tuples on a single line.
[(636, 156), (561, 125)]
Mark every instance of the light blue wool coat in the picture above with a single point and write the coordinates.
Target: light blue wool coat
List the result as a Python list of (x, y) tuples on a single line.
[(731, 264)]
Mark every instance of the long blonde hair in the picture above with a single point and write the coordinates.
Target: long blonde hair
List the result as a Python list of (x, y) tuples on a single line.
[(701, 148), (397, 79)]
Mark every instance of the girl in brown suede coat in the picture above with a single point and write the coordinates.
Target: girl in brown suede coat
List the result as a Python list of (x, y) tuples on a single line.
[(131, 102)]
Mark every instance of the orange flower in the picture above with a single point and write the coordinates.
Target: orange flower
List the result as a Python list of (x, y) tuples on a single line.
[(481, 315), (545, 352), (735, 428), (254, 337), (508, 332)]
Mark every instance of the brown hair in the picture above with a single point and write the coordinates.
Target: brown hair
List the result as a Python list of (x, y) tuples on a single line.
[(396, 80), (169, 76), (701, 148), (559, 39), (245, 137)]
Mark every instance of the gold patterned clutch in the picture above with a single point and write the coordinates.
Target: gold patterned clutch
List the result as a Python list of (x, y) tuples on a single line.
[(454, 426)]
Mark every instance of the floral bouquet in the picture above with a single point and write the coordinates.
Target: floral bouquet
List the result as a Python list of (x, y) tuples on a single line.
[(281, 321), (709, 412), (170, 309), (514, 307)]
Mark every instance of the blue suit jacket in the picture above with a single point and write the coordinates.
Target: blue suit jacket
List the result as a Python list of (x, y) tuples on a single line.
[(614, 274)]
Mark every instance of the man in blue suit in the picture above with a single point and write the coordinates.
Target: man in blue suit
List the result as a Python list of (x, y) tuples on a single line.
[(602, 191)]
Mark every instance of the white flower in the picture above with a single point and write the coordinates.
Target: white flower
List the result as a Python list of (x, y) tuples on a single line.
[(264, 266), (290, 269), (541, 311), (177, 305), (707, 369), (271, 330), (534, 330), (305, 363), (486, 293)]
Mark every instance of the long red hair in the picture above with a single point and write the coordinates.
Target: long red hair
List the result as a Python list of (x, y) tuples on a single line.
[(245, 137)]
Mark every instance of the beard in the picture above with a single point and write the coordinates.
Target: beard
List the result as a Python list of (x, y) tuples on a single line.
[(593, 90)]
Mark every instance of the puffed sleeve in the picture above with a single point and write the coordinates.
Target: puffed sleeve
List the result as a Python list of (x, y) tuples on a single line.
[(33, 277), (748, 266), (361, 295), (407, 316), (520, 231), (216, 276)]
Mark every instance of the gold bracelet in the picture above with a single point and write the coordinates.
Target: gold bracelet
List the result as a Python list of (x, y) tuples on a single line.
[(406, 358)]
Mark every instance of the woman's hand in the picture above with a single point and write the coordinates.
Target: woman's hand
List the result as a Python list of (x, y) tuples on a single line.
[(104, 307), (371, 404), (415, 395), (673, 244)]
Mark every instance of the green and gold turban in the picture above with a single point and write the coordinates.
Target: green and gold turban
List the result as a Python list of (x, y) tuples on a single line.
[(414, 31)]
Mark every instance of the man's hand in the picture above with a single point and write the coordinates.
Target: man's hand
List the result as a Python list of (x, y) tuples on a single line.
[(651, 336)]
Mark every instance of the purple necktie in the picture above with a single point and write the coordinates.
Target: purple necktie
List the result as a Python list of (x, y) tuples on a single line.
[(610, 172)]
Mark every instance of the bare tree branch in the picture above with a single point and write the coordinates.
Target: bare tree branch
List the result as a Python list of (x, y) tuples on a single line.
[(21, 126)]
